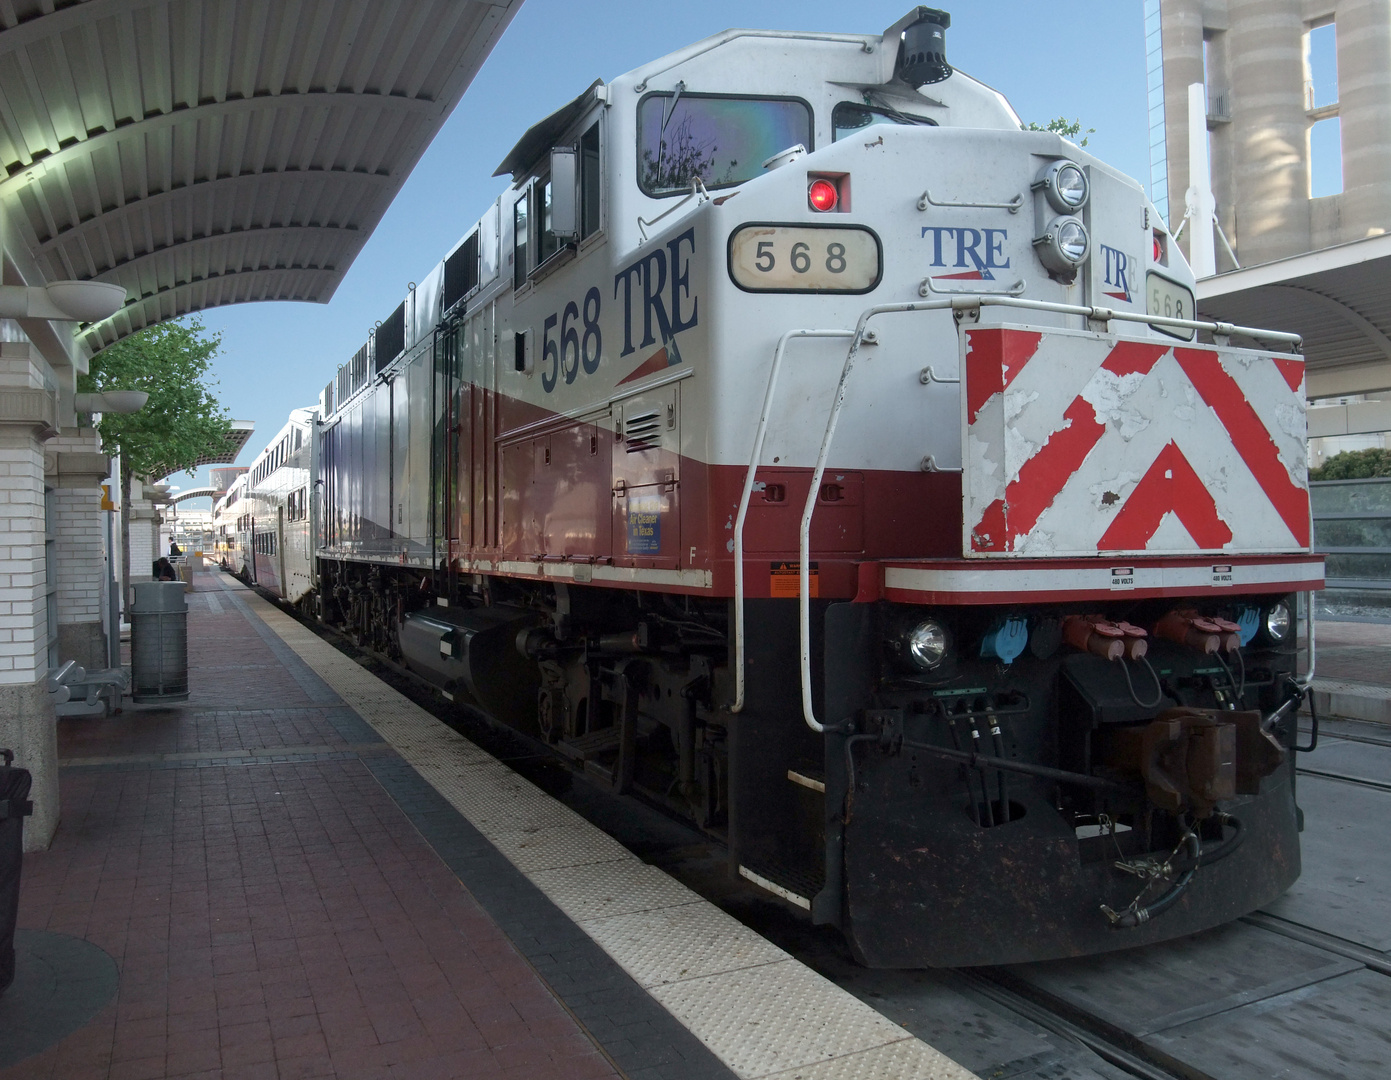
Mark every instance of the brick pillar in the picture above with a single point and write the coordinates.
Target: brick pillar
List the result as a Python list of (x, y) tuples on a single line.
[(76, 469), (27, 724), (144, 536)]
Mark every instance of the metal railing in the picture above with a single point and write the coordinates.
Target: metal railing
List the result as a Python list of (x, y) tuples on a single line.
[(1352, 530)]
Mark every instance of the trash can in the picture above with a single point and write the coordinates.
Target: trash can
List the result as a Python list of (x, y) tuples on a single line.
[(159, 642), (14, 808)]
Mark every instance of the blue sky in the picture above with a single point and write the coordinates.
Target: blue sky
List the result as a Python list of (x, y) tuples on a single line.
[(1083, 59)]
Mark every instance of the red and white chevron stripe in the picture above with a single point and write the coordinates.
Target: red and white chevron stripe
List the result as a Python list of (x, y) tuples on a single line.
[(1081, 444)]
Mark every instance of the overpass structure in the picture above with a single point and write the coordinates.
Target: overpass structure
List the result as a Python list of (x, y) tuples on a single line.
[(194, 153)]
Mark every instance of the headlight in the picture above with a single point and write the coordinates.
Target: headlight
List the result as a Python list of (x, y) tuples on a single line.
[(1065, 186), (926, 644), (1063, 245), (1278, 622)]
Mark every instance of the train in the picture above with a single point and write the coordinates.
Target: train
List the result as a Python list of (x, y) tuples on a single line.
[(805, 446)]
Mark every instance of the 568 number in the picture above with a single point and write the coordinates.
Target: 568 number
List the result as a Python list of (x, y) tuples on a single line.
[(572, 350), (1166, 305), (800, 258)]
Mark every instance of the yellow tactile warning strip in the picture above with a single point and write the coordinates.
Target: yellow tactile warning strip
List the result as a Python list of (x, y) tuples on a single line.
[(760, 1011)]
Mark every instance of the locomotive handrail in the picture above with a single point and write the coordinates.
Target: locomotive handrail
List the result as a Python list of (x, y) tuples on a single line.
[(744, 498), (1308, 680), (804, 536), (1104, 314), (960, 305)]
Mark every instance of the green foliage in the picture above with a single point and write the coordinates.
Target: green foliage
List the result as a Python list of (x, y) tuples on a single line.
[(183, 420), (1354, 465), (1068, 129)]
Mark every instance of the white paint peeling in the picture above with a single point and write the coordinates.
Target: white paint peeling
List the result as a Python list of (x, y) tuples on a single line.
[(1018, 450), (1016, 402), (1111, 396)]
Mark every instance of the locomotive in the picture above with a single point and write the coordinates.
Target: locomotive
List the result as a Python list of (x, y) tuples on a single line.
[(804, 446)]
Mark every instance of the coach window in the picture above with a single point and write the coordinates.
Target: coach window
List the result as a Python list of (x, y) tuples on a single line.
[(720, 140), (848, 118)]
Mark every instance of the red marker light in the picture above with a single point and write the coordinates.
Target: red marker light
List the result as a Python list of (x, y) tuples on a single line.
[(822, 195), (1158, 250)]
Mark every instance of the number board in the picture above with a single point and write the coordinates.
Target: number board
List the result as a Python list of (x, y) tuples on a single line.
[(805, 258), (1170, 299)]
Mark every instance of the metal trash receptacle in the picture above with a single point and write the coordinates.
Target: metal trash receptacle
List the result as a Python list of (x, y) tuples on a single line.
[(158, 642)]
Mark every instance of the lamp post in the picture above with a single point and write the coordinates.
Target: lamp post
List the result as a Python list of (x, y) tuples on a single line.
[(114, 401)]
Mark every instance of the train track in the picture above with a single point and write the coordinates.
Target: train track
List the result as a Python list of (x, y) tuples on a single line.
[(1081, 1042)]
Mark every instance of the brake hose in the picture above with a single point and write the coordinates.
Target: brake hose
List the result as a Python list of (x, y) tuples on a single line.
[(1135, 915)]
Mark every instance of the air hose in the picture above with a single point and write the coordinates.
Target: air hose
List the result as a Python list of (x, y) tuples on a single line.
[(1135, 915)]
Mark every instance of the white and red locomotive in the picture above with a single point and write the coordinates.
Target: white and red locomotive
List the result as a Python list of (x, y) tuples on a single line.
[(804, 446)]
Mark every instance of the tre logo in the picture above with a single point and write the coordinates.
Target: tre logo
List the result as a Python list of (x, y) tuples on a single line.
[(1117, 265)]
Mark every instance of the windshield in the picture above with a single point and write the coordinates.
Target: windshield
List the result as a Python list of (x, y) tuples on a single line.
[(722, 140), (848, 118)]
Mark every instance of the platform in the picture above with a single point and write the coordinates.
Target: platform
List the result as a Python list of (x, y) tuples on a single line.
[(299, 873), (1353, 676)]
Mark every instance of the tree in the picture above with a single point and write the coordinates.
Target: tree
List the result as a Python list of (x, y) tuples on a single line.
[(1068, 129), (182, 422), (1354, 465)]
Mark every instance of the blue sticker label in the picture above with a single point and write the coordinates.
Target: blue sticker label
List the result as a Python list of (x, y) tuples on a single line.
[(644, 524)]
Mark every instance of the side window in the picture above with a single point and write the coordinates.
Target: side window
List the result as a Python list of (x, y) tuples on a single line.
[(520, 229), (548, 244), (589, 182)]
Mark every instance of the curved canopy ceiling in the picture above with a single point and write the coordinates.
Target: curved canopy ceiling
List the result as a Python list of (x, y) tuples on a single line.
[(208, 152), (1335, 298)]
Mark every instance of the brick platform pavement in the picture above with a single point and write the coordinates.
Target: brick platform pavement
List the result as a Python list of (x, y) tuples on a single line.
[(1358, 652), (1353, 670), (274, 912)]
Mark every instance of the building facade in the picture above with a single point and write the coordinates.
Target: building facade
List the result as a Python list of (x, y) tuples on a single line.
[(1298, 134), (1276, 106)]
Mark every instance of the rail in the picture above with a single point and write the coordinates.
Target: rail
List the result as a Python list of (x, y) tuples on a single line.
[(961, 306)]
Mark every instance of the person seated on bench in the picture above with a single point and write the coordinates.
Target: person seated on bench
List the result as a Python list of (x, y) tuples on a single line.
[(164, 570)]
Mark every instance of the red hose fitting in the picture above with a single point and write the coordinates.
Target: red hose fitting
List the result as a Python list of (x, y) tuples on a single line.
[(1101, 637), (1209, 635)]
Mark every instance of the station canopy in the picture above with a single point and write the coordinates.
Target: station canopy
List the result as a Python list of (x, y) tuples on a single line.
[(238, 433), (209, 152), (196, 493), (1335, 298)]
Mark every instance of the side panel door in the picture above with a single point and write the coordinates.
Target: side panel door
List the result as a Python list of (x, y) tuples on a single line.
[(646, 476), (413, 518)]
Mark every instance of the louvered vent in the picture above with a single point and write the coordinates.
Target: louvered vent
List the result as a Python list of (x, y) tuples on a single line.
[(359, 368), (643, 432), (326, 400), (390, 340)]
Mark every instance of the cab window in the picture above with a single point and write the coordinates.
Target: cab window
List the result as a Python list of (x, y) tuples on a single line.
[(848, 118), (589, 182), (520, 233), (547, 244), (722, 140)]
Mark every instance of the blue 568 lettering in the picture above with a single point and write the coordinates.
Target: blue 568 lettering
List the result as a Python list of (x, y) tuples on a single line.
[(571, 349)]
